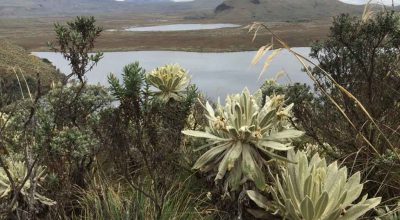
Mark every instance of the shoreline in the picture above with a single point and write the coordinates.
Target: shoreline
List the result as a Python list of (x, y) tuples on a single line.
[(127, 50)]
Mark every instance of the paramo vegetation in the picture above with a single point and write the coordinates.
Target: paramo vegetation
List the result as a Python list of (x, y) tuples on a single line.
[(150, 146)]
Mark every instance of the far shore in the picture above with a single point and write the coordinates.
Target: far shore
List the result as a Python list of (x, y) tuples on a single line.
[(33, 35)]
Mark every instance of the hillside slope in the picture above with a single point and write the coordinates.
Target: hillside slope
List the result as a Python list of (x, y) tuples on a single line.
[(283, 10), (15, 59)]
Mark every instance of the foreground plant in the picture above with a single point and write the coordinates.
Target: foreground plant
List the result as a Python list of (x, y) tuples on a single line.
[(170, 80), (313, 190), (74, 41), (242, 134), (18, 172), (105, 198), (387, 214)]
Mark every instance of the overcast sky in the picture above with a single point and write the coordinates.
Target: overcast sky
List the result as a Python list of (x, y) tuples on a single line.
[(360, 2)]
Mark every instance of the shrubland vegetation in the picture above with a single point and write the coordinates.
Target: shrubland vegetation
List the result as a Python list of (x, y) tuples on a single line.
[(149, 146)]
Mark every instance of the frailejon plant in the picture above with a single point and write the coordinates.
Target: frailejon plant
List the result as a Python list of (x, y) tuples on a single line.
[(171, 82), (18, 173), (313, 190), (242, 134)]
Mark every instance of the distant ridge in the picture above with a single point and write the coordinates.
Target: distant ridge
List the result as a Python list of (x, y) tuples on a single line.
[(283, 10), (50, 8)]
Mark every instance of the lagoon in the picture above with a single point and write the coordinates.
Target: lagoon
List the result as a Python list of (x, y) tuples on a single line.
[(216, 74), (181, 27)]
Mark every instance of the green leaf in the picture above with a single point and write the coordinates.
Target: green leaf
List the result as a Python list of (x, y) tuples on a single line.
[(210, 155), (354, 188), (273, 155), (239, 113), (275, 145), (234, 154), (307, 208), (267, 118), (286, 134), (259, 199), (360, 209), (250, 168), (235, 176), (205, 146), (321, 205), (334, 215), (223, 166), (308, 186), (291, 211), (201, 134), (209, 109)]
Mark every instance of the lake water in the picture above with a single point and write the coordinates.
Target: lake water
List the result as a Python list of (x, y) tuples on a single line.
[(216, 74), (182, 27)]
